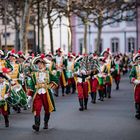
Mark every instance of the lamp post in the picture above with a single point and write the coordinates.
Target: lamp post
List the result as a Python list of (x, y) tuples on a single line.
[(5, 23), (60, 25), (90, 49)]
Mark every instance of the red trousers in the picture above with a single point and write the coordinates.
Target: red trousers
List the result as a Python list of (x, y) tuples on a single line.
[(4, 113), (39, 101), (94, 85), (71, 81), (137, 94), (82, 89)]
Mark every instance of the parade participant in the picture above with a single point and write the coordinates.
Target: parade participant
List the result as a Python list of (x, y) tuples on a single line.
[(82, 82), (135, 79), (101, 78), (93, 77), (115, 70), (60, 66), (69, 74), (107, 70), (3, 62), (14, 73), (43, 80), (20, 61), (4, 88)]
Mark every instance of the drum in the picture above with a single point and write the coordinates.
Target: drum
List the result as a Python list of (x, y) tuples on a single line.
[(23, 97), (17, 96), (2, 103), (13, 99)]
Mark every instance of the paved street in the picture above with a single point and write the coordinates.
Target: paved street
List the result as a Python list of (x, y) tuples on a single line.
[(112, 119)]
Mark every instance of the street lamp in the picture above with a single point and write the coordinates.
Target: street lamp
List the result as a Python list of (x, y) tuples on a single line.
[(89, 36)]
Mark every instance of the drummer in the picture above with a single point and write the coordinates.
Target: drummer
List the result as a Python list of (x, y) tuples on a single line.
[(14, 74), (4, 87)]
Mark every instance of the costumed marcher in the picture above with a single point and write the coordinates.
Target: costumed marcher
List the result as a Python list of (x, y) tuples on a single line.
[(14, 74), (135, 79), (107, 70), (4, 93), (93, 77), (82, 81), (101, 76), (69, 74), (44, 81), (60, 67), (115, 71)]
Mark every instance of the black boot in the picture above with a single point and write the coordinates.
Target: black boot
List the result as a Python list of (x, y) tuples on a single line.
[(137, 107), (67, 89), (46, 120), (18, 109), (94, 98), (6, 121), (63, 88), (81, 105), (37, 123), (56, 92), (85, 103), (109, 91), (73, 88)]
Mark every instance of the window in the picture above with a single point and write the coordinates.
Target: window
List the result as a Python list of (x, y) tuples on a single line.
[(6, 35), (115, 45), (131, 44), (101, 45)]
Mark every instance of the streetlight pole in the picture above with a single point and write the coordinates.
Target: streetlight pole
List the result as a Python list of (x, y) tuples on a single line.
[(5, 23), (90, 49), (60, 20), (38, 10)]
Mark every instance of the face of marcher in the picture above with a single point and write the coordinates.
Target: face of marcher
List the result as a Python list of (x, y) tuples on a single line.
[(41, 65), (12, 58), (106, 55), (1, 80), (70, 58)]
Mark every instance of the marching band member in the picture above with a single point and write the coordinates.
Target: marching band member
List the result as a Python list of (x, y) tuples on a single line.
[(82, 83), (135, 79), (43, 96), (107, 70), (101, 78), (69, 74), (116, 72), (60, 65), (93, 78), (4, 88), (14, 73)]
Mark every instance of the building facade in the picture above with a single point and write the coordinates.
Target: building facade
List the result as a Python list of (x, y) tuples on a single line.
[(119, 37)]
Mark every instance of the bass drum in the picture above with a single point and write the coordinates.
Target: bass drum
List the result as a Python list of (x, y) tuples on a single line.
[(17, 96), (13, 99), (21, 93)]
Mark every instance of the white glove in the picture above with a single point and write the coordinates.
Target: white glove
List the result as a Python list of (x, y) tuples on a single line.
[(112, 69), (100, 75), (136, 82), (29, 101), (5, 96)]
